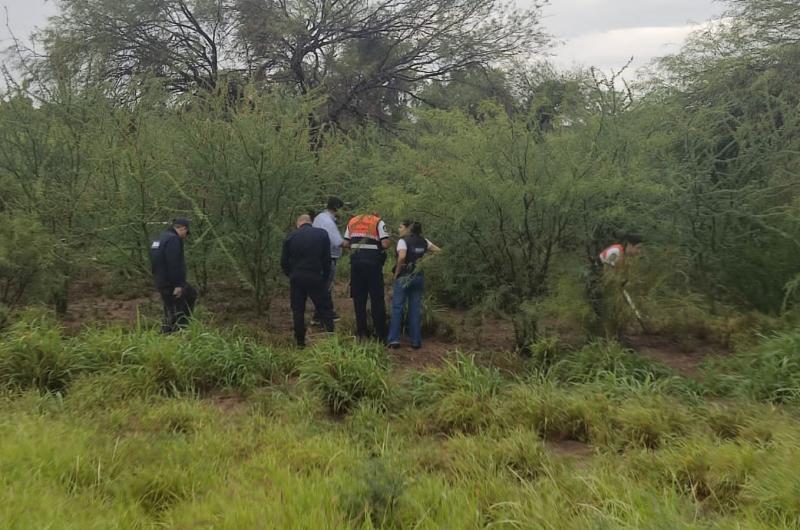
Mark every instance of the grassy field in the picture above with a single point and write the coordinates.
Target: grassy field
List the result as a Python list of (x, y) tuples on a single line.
[(129, 429)]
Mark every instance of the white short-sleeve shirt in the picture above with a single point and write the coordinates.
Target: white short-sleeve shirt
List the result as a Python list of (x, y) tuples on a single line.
[(401, 244)]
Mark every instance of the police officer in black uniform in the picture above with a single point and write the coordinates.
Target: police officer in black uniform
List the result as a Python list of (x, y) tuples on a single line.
[(367, 238), (169, 269), (306, 260)]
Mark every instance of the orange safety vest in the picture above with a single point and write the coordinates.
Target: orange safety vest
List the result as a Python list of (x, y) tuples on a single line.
[(612, 255), (364, 226)]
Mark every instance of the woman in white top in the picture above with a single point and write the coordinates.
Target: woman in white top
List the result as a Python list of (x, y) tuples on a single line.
[(409, 283)]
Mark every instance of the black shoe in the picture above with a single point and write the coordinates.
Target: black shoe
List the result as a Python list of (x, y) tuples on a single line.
[(394, 345), (416, 346), (336, 317)]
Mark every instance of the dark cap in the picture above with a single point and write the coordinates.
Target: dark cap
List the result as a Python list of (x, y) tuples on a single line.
[(181, 221)]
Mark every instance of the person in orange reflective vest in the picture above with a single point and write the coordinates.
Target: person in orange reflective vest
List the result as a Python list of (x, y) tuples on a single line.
[(613, 293), (614, 255), (367, 238)]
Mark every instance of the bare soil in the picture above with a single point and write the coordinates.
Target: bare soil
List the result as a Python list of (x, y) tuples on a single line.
[(572, 449), (683, 358), (463, 332)]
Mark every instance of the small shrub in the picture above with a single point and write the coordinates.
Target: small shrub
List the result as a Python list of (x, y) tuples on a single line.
[(770, 372), (368, 424), (345, 373), (34, 354), (648, 423), (374, 493), (28, 264), (605, 357), (555, 413), (463, 374), (712, 475), (457, 397)]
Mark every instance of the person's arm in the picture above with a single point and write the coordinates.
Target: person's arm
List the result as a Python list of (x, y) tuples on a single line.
[(402, 250), (401, 261), (325, 255), (285, 259), (346, 239), (336, 238), (433, 248), (383, 235)]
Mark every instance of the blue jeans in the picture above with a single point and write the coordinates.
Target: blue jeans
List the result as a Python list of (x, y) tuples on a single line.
[(407, 288)]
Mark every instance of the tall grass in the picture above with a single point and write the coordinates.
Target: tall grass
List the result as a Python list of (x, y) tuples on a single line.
[(34, 353), (768, 372), (131, 433), (345, 372)]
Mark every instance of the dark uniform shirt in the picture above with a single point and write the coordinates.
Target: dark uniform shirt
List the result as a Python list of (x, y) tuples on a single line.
[(167, 261), (307, 249), (416, 248)]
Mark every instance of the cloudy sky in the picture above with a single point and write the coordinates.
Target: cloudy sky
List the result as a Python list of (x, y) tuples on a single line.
[(601, 33)]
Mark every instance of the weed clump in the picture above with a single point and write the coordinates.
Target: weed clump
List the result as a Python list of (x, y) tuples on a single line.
[(345, 373), (34, 354), (769, 372), (374, 494), (459, 397)]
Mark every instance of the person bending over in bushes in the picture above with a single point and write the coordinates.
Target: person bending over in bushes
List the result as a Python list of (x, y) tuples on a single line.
[(409, 283), (169, 270), (615, 278)]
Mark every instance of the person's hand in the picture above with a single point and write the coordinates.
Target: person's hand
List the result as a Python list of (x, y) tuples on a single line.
[(177, 292)]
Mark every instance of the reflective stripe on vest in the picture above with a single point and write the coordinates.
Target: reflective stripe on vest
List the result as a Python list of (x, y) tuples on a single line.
[(612, 254)]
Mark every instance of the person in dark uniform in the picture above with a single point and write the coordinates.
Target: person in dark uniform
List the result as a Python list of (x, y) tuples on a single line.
[(368, 239), (169, 270), (306, 260)]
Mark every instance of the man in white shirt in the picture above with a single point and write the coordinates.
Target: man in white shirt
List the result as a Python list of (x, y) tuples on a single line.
[(327, 221)]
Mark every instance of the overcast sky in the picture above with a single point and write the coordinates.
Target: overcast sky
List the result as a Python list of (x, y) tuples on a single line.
[(601, 33)]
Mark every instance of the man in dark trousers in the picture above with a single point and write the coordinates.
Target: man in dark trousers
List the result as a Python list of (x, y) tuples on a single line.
[(368, 239), (169, 270), (306, 260)]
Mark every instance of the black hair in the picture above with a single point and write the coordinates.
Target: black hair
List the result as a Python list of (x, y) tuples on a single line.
[(414, 226), (334, 203), (631, 239)]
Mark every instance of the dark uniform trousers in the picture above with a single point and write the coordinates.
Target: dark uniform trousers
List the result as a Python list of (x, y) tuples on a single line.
[(177, 309), (366, 281), (304, 285)]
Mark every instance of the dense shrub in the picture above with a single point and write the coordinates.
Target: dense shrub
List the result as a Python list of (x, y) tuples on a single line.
[(343, 373), (769, 372), (33, 353)]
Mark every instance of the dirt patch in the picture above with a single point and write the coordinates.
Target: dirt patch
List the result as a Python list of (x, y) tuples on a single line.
[(578, 451), (228, 403), (684, 358), (432, 354), (88, 305)]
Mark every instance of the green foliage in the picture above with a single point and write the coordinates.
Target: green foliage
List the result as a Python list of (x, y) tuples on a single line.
[(374, 494), (343, 373), (457, 397), (36, 354), (769, 372), (114, 450), (607, 360), (29, 268), (33, 353)]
